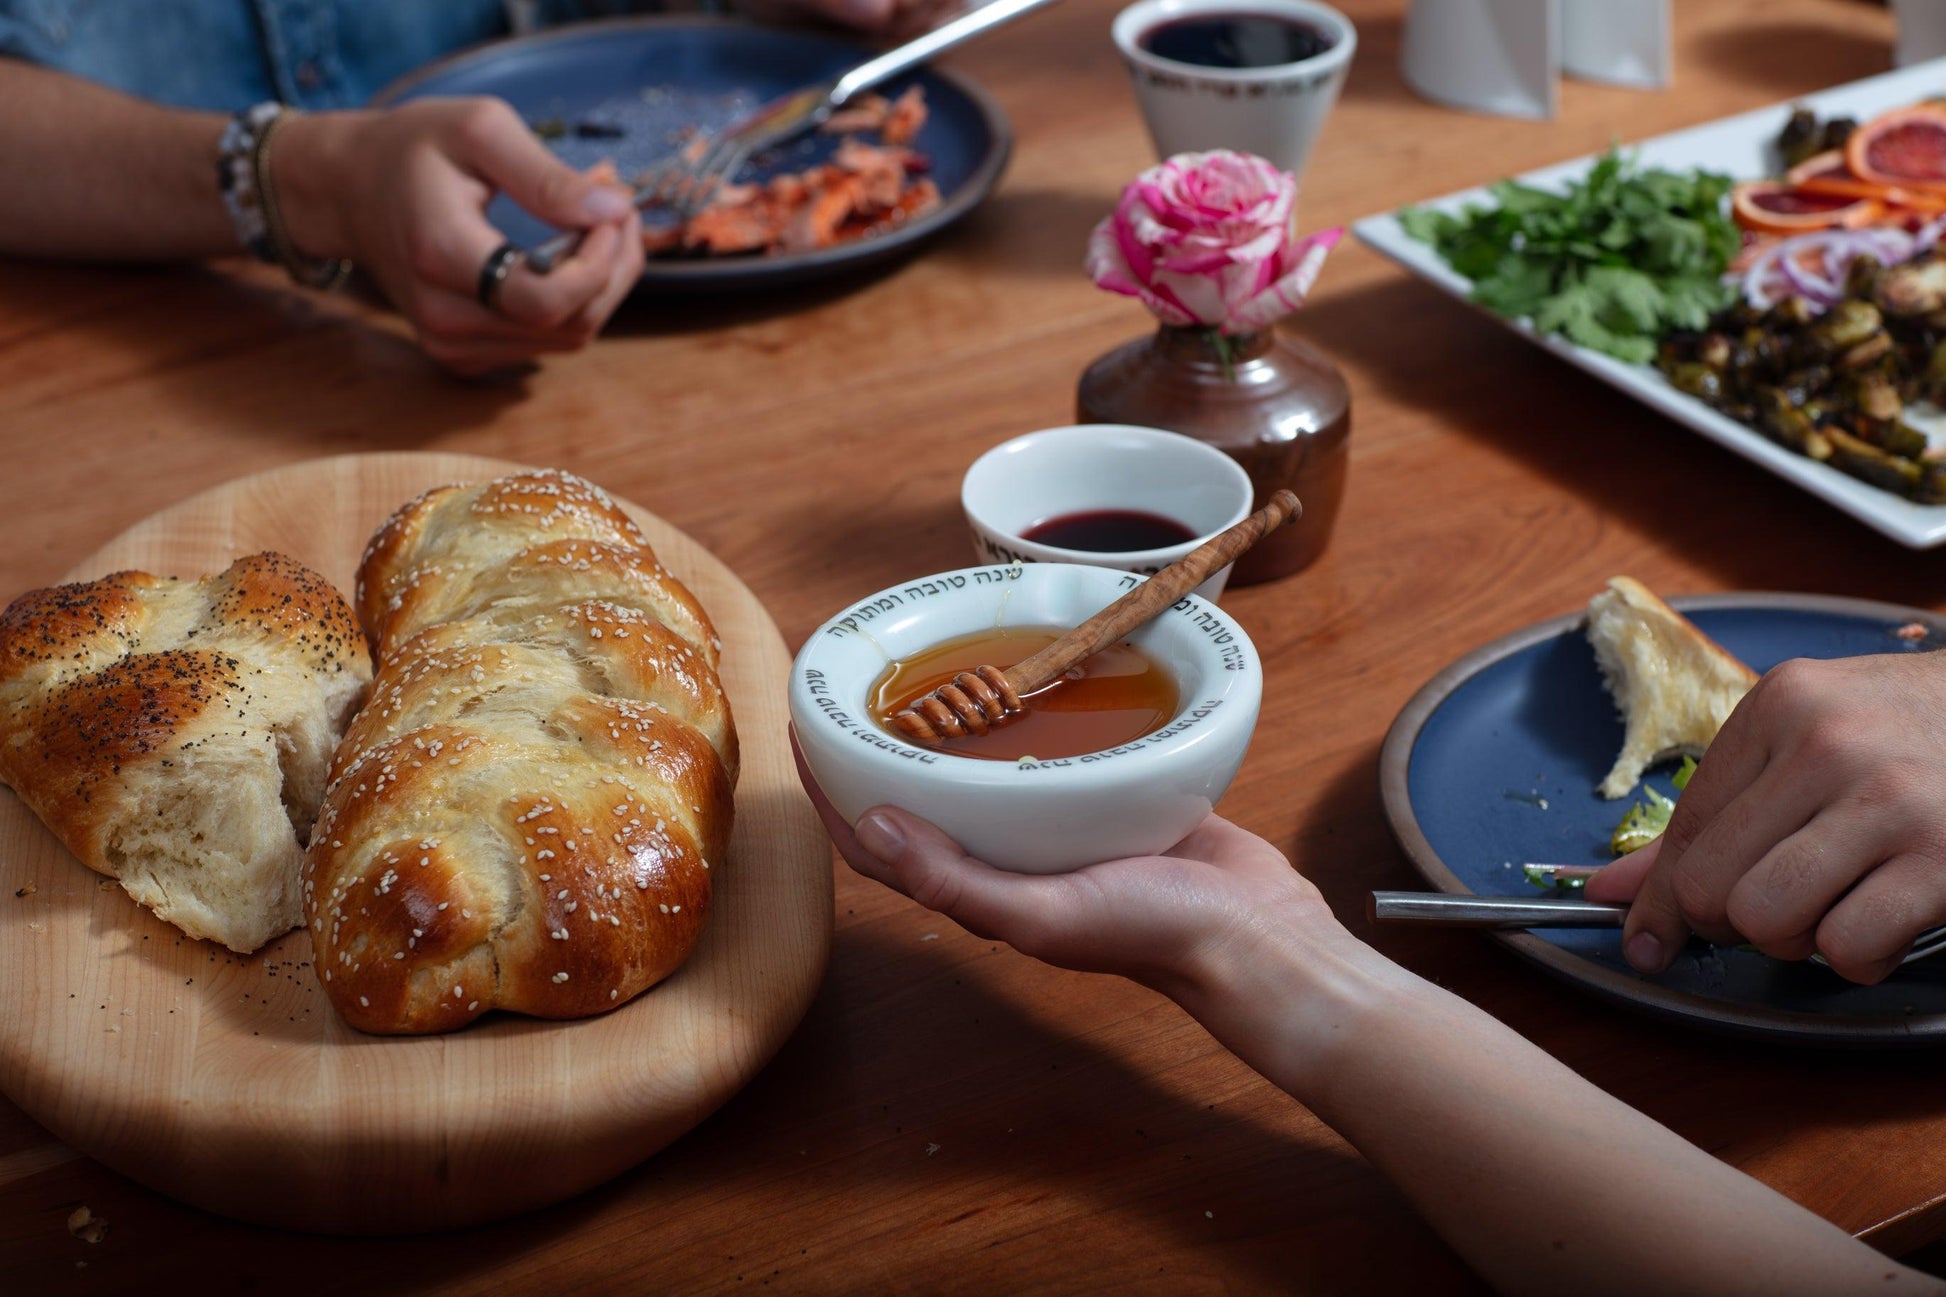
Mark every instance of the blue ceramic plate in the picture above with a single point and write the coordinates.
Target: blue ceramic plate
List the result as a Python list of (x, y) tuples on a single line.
[(642, 82), (1495, 763)]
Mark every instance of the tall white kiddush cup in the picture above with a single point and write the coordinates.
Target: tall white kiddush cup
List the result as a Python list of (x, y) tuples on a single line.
[(1274, 111)]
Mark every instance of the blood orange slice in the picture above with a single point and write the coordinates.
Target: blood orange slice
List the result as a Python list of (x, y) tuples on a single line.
[(1906, 146), (1829, 164), (1778, 207)]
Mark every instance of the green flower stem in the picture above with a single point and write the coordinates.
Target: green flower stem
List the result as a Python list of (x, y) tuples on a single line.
[(1225, 352)]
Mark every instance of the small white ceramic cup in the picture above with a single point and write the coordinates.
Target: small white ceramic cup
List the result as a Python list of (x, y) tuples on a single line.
[(1102, 466), (1028, 816), (1275, 112)]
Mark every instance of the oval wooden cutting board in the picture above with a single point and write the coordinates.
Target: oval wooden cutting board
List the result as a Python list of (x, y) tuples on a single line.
[(227, 1081)]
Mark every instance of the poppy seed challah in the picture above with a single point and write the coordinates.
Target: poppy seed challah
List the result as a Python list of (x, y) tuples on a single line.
[(176, 735)]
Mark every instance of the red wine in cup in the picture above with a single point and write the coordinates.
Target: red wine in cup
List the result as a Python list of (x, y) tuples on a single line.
[(1235, 40), (1108, 531)]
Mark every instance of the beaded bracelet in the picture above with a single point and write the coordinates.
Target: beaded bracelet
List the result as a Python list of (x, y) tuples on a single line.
[(236, 177), (243, 178)]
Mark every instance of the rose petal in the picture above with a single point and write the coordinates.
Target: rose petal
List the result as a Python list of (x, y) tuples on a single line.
[(1288, 292), (1199, 296), (1132, 247)]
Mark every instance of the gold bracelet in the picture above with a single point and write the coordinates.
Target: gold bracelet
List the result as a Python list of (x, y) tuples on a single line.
[(312, 272)]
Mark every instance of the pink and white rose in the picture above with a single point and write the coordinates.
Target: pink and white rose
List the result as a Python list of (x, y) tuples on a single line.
[(1206, 239)]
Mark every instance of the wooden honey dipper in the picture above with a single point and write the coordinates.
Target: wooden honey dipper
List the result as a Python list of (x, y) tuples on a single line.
[(975, 701)]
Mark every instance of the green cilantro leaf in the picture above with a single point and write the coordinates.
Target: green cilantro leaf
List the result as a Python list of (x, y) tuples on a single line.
[(1611, 262)]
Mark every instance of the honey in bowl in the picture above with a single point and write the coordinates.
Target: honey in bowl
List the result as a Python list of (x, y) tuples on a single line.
[(1115, 697)]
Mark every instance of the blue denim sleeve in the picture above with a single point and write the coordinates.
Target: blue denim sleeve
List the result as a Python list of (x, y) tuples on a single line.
[(225, 55), (23, 33), (185, 53)]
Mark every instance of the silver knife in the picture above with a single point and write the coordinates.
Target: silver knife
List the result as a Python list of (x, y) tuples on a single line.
[(1492, 911), (1441, 909)]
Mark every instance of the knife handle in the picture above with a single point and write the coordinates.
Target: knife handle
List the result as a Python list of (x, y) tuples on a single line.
[(1445, 910)]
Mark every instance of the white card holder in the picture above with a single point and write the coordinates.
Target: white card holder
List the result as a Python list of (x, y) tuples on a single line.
[(1490, 56), (1621, 42), (1922, 30), (1507, 56)]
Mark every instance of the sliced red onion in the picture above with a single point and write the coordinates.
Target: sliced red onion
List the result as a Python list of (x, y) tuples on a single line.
[(1814, 266), (1836, 259), (1820, 289), (1763, 285), (1890, 246)]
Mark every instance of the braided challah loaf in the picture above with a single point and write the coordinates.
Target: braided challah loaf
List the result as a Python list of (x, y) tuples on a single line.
[(176, 735), (526, 814)]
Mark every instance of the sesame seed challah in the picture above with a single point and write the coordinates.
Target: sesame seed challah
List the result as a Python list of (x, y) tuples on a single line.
[(526, 814)]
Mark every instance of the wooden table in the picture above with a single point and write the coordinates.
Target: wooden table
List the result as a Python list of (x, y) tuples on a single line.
[(953, 1116)]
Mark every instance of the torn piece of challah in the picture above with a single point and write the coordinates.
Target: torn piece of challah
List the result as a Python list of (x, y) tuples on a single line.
[(527, 813), (176, 735), (1674, 685)]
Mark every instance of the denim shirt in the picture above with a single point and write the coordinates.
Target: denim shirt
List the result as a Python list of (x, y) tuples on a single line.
[(228, 54)]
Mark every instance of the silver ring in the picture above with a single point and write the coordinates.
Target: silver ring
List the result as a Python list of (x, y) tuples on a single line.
[(493, 273)]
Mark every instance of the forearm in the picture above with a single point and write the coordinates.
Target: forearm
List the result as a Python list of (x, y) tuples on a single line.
[(92, 174), (1544, 1183)]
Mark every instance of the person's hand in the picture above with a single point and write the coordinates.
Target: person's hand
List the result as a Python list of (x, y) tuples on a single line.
[(403, 193), (1168, 921), (1816, 823)]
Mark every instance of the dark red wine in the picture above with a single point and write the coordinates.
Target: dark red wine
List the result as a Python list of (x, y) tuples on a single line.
[(1108, 531), (1239, 40)]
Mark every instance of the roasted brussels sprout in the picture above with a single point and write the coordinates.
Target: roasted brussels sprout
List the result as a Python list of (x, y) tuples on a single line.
[(1881, 468), (1872, 395), (1834, 384), (1697, 379), (1804, 136), (1799, 139), (1916, 288), (1849, 324)]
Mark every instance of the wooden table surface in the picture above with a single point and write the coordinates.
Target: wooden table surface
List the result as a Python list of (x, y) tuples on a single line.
[(952, 1116)]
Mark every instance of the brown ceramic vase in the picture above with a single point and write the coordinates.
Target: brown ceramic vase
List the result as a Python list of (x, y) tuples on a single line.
[(1274, 404)]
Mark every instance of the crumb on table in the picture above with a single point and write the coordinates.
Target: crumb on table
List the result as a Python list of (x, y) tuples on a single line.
[(86, 1226)]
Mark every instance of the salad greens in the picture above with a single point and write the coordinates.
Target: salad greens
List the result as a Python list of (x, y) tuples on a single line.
[(1646, 819), (1639, 827), (1617, 259)]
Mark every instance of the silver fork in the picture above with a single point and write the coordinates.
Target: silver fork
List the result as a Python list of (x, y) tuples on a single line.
[(680, 183), (656, 187), (684, 182)]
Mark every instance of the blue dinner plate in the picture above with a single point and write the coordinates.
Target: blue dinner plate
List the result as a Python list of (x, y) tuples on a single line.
[(1495, 762), (643, 83)]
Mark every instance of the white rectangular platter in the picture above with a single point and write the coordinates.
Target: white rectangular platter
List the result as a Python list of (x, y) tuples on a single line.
[(1739, 146)]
